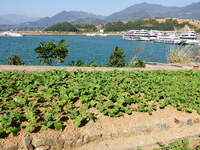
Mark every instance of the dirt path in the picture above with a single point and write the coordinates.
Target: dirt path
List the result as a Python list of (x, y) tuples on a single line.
[(149, 66)]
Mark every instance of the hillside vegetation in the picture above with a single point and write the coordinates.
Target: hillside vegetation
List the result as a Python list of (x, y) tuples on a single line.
[(149, 24), (65, 26), (164, 24)]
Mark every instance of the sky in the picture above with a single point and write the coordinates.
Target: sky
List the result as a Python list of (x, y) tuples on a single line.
[(48, 8)]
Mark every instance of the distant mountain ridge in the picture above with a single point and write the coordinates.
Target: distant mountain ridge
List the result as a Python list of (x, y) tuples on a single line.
[(15, 19), (148, 10), (63, 16), (154, 10), (135, 12)]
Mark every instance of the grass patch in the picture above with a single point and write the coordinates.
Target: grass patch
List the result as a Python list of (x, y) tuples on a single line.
[(181, 55)]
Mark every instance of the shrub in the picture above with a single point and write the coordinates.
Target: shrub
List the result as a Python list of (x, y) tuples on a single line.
[(105, 65), (15, 59), (117, 59), (137, 64), (78, 63), (93, 64)]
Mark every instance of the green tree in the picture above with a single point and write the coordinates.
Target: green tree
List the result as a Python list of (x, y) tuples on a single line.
[(15, 59), (64, 26), (115, 26), (50, 52), (117, 59)]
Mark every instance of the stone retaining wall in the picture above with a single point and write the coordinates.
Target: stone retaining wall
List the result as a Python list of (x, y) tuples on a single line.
[(102, 131)]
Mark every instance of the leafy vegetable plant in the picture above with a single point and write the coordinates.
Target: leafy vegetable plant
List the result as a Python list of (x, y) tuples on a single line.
[(48, 99)]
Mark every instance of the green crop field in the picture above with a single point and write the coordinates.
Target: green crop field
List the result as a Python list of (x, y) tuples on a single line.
[(48, 99)]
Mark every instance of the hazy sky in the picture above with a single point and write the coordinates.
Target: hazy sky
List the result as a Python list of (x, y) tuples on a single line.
[(43, 8)]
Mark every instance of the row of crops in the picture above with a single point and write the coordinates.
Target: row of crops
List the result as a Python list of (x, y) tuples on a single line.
[(48, 99), (182, 144)]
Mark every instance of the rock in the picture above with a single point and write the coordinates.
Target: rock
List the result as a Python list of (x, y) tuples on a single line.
[(59, 145), (60, 142), (56, 147), (68, 143), (164, 126), (99, 116), (88, 139), (42, 148), (197, 120), (27, 143), (189, 122), (38, 142), (161, 126), (79, 141), (196, 67), (43, 142), (11, 148)]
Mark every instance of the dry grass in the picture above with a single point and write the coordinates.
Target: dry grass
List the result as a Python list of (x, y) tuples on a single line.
[(181, 55)]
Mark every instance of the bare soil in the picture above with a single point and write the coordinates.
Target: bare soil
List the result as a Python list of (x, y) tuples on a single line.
[(139, 130)]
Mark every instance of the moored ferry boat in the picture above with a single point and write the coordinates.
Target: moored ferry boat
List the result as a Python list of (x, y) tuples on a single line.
[(189, 37), (168, 37), (100, 33), (137, 35), (168, 40), (140, 35), (10, 34)]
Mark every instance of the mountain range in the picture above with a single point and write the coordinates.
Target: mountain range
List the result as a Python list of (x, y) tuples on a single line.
[(134, 12), (63, 16), (147, 10), (15, 19)]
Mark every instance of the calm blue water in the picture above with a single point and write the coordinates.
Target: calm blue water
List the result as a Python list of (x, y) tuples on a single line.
[(83, 48)]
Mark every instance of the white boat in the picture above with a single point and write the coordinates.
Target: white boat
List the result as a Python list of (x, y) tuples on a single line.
[(191, 42), (100, 33), (189, 37), (139, 35), (10, 34), (167, 40), (168, 37)]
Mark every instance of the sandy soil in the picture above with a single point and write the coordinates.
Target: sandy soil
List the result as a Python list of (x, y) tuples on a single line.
[(138, 130)]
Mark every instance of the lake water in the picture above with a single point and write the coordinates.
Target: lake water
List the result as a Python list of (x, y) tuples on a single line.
[(83, 48)]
